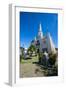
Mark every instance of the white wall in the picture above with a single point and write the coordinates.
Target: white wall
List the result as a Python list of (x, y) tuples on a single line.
[(4, 43)]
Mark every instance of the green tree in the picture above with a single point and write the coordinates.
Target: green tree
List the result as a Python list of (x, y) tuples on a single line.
[(22, 53), (31, 49)]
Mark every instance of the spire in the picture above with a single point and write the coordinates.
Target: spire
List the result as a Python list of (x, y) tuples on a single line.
[(40, 33), (35, 39), (51, 46), (40, 28)]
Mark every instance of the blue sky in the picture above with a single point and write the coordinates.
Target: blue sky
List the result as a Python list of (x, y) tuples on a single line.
[(29, 24)]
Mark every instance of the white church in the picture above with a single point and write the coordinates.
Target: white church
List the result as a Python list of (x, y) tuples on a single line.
[(44, 43)]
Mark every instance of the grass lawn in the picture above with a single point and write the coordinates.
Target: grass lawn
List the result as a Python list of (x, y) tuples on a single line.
[(29, 68), (32, 59)]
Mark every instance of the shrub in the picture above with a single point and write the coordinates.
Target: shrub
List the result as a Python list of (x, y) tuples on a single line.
[(40, 55), (52, 59)]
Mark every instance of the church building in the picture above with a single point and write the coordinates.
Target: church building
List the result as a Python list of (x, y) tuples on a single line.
[(43, 43)]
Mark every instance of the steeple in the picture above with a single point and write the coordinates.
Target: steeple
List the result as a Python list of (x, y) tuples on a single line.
[(40, 33), (40, 28), (51, 46), (35, 39)]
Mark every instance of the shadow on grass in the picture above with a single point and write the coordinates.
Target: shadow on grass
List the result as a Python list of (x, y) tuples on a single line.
[(27, 58)]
